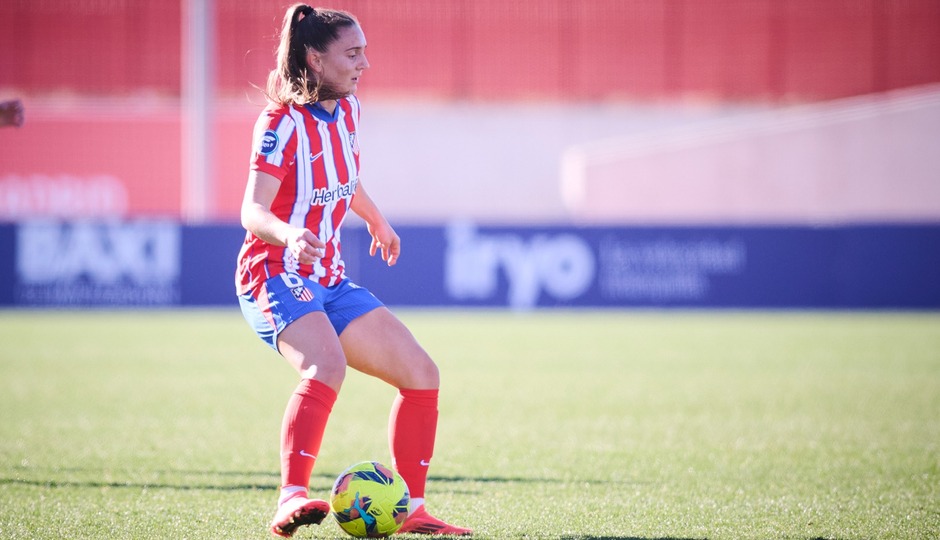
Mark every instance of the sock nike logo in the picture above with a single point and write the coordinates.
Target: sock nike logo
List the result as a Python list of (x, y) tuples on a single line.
[(304, 454), (424, 463)]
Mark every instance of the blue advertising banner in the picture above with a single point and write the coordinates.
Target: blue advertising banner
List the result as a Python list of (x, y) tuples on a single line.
[(96, 263), (160, 263), (879, 266)]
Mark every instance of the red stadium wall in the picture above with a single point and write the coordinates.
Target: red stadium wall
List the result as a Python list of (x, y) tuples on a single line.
[(491, 49), (117, 161), (101, 78)]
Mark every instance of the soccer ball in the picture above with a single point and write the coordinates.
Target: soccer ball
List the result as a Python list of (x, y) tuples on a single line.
[(369, 500)]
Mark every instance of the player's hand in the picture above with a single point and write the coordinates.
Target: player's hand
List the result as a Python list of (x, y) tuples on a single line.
[(386, 241), (304, 246)]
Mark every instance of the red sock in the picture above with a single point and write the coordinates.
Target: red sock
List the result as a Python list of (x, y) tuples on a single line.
[(412, 427), (302, 430)]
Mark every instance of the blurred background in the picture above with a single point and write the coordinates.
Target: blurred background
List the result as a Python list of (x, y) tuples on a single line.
[(715, 153)]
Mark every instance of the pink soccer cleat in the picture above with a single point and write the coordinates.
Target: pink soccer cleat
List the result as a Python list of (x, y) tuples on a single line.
[(297, 512), (421, 522)]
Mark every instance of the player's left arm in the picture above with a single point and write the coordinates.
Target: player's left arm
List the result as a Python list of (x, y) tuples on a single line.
[(384, 237)]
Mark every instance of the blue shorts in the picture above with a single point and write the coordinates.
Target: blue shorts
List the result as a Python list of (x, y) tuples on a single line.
[(287, 297)]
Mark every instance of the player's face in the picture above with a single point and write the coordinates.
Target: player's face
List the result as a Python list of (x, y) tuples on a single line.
[(340, 67)]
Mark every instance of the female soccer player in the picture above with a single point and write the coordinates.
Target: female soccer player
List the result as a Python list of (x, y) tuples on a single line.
[(304, 177)]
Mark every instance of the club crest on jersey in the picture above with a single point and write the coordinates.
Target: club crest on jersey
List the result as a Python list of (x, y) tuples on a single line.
[(354, 143), (268, 143)]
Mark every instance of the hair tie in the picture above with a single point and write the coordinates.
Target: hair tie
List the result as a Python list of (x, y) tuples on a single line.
[(304, 11)]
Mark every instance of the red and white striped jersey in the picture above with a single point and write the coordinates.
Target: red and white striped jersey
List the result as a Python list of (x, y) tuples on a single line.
[(315, 154)]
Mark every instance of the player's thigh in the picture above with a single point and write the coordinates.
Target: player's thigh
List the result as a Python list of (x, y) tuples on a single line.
[(380, 345), (310, 346)]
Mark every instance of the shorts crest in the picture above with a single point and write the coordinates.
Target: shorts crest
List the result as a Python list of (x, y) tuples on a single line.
[(302, 293)]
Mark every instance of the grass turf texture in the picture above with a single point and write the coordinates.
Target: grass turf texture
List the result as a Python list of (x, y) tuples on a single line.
[(563, 425)]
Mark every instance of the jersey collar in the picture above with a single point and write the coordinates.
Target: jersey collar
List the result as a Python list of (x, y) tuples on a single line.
[(320, 113)]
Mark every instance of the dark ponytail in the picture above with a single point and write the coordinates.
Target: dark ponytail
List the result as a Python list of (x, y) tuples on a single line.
[(304, 28)]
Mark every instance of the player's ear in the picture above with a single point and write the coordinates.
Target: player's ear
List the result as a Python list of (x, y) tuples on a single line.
[(314, 61)]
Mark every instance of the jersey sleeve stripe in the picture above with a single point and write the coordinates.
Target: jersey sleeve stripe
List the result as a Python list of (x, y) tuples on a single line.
[(284, 130)]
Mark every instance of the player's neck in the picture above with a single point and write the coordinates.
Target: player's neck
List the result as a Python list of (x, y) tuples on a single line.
[(328, 105)]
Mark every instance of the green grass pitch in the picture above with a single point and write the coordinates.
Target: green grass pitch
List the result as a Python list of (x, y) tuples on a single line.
[(568, 425)]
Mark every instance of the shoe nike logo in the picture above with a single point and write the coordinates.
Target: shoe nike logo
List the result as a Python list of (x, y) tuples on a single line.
[(304, 454), (424, 463)]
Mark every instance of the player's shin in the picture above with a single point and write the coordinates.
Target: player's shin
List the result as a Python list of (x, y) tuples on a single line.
[(302, 432), (412, 429)]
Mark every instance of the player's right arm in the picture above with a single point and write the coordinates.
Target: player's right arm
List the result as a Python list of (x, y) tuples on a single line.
[(258, 219)]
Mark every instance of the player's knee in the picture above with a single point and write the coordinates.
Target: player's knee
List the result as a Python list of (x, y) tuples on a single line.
[(329, 371), (424, 374)]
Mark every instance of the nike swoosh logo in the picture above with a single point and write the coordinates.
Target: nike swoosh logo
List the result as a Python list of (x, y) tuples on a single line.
[(311, 456), (314, 157), (424, 463)]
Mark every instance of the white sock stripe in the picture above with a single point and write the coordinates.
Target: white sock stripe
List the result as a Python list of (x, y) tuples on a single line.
[(288, 492), (415, 503)]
